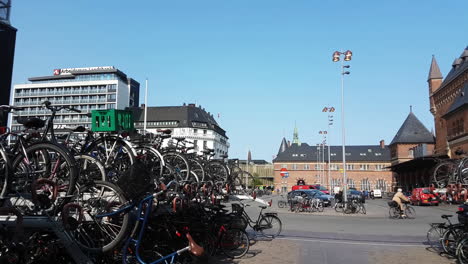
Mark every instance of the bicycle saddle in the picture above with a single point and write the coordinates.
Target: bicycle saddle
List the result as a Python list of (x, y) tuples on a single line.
[(164, 131), (446, 216), (32, 122), (194, 248)]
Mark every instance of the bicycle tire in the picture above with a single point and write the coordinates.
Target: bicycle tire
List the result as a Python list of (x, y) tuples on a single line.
[(442, 173), (393, 212), (320, 207), (434, 236), (410, 212), (89, 169), (93, 235), (234, 243), (339, 208), (270, 226), (151, 158), (463, 171), (64, 175), (115, 154), (179, 163), (4, 172), (218, 171), (462, 251), (282, 204)]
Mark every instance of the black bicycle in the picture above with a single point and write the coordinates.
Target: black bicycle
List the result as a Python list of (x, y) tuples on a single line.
[(268, 224)]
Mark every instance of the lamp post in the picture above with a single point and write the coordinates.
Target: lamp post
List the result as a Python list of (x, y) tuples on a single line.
[(347, 57), (322, 164), (329, 109)]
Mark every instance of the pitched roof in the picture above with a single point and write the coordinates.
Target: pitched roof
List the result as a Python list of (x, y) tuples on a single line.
[(434, 71), (413, 131), (306, 153), (185, 115), (283, 146), (459, 66), (460, 101)]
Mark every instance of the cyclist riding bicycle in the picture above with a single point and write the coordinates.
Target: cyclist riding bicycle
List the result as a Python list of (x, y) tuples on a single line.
[(398, 198)]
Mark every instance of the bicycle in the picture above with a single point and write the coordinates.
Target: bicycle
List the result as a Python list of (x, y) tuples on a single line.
[(268, 224), (395, 211), (451, 171)]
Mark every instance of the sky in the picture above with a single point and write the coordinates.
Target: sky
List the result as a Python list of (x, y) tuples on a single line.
[(264, 66)]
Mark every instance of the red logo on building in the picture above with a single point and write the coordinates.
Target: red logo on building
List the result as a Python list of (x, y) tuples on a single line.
[(57, 72)]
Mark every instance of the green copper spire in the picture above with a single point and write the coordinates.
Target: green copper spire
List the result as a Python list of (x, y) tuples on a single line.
[(296, 137)]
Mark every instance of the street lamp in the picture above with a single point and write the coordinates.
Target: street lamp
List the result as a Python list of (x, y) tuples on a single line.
[(329, 109), (322, 145), (347, 57)]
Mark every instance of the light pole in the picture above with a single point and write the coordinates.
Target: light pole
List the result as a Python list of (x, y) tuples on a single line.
[(347, 57), (329, 109), (322, 164)]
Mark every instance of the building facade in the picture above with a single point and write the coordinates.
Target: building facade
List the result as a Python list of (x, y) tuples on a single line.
[(261, 169), (449, 106), (188, 121), (85, 89), (366, 166)]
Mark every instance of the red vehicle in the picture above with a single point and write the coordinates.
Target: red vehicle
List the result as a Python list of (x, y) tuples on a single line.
[(423, 196), (322, 188), (303, 187)]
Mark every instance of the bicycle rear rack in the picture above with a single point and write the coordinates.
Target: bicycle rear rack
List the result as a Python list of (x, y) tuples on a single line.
[(54, 225)]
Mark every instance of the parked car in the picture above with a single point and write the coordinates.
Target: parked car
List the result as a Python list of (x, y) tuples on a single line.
[(377, 193), (294, 196), (322, 189), (353, 194), (423, 196)]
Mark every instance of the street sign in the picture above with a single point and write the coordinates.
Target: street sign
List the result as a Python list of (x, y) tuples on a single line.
[(284, 173)]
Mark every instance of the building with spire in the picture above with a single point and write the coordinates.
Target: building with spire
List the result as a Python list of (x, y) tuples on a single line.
[(448, 105), (366, 165)]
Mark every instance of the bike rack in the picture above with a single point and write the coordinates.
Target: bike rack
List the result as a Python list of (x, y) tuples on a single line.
[(53, 224)]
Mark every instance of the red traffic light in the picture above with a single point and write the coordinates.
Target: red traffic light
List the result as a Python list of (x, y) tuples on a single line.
[(336, 56), (348, 54)]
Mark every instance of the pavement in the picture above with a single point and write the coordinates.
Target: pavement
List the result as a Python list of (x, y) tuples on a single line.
[(332, 237)]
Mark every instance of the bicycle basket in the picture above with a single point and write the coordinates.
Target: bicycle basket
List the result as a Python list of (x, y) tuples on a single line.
[(237, 209), (393, 204), (136, 181)]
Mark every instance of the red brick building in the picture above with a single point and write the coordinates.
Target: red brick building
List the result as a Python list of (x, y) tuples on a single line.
[(366, 166)]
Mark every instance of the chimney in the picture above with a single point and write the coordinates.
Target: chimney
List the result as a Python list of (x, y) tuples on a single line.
[(289, 143), (382, 143)]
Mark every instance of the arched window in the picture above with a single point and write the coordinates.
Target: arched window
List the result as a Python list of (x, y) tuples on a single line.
[(350, 183), (381, 184), (365, 185)]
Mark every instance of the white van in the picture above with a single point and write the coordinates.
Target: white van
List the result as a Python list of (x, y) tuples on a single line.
[(377, 193)]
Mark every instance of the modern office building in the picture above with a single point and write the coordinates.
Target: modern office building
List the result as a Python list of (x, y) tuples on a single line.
[(7, 51), (85, 89), (188, 121)]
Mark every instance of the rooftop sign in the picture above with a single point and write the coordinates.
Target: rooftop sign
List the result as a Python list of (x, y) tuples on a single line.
[(70, 70)]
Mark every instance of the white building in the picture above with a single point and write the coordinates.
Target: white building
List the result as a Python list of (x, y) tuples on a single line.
[(188, 121), (85, 89)]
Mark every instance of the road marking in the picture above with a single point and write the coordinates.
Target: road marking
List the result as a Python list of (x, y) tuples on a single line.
[(354, 243)]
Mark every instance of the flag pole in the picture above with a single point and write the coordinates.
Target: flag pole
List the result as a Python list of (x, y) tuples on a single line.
[(146, 106)]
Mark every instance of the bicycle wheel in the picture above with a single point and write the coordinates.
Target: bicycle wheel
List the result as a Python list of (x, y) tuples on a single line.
[(394, 212), (89, 169), (442, 173), (449, 241), (282, 204), (114, 153), (410, 212), (196, 168), (463, 171), (234, 243), (320, 207), (4, 172), (151, 158), (93, 233), (270, 226), (179, 163), (339, 208), (218, 171), (462, 251), (42, 161), (434, 236)]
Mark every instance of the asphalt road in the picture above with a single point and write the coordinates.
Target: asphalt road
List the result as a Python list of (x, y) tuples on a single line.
[(331, 237)]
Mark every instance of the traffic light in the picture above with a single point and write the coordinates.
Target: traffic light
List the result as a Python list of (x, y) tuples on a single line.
[(348, 55), (336, 56)]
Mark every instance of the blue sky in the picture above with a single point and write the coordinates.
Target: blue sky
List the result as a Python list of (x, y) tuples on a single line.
[(263, 65)]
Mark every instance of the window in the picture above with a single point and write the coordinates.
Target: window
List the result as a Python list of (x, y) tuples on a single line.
[(364, 167), (365, 185), (195, 131), (318, 166), (334, 166), (306, 167), (411, 153), (205, 146), (380, 154), (195, 144), (379, 167), (295, 155), (350, 183), (110, 106), (303, 155), (348, 154), (362, 154), (349, 167), (111, 97), (294, 167), (204, 131), (381, 184), (335, 183), (332, 154)]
